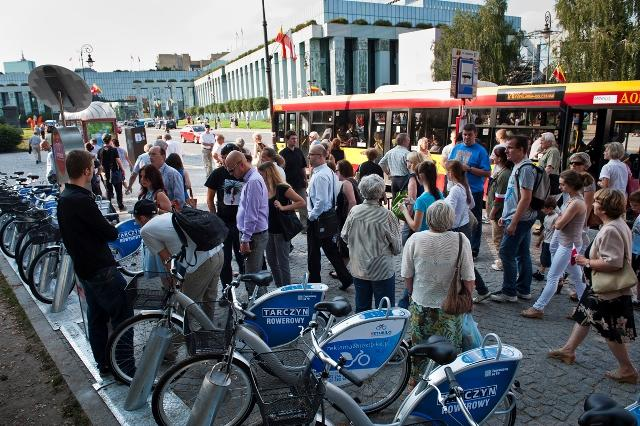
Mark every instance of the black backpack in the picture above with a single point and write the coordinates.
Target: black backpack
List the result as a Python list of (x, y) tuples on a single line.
[(205, 229)]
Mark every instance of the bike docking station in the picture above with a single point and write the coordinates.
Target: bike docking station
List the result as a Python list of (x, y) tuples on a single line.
[(64, 282)]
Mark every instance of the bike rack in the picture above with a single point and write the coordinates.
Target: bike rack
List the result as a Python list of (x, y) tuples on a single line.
[(498, 341), (64, 282), (388, 303)]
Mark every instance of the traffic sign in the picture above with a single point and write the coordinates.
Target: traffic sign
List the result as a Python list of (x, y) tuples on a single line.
[(464, 73)]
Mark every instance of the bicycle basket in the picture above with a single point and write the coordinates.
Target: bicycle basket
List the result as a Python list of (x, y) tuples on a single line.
[(202, 341), (294, 401), (145, 294)]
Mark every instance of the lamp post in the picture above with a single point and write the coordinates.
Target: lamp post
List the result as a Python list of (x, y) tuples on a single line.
[(546, 33), (267, 59), (88, 49)]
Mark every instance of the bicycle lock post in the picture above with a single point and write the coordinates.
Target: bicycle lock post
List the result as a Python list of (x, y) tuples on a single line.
[(209, 399), (147, 369), (64, 282)]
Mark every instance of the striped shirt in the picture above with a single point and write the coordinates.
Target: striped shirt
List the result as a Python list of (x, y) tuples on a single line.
[(373, 236), (394, 162)]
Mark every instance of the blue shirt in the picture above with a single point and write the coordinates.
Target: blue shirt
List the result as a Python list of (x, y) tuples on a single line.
[(422, 203), (635, 234), (473, 156), (253, 208), (173, 183)]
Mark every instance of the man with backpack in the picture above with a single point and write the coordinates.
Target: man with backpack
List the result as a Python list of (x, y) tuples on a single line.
[(518, 215), (164, 237)]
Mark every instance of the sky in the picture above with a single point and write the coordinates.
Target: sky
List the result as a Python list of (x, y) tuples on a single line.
[(119, 30)]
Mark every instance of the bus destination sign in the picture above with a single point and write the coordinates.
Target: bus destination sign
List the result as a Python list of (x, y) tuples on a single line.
[(531, 94)]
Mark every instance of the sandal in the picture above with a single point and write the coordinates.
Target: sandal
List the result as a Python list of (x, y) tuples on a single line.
[(562, 356), (627, 378)]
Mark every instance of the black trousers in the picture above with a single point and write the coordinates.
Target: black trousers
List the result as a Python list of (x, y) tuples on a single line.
[(330, 248), (110, 188), (231, 246)]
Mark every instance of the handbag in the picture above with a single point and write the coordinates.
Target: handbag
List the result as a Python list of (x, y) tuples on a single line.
[(458, 300), (289, 222), (328, 223), (607, 282)]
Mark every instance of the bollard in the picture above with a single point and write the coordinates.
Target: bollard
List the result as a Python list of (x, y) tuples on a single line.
[(205, 408), (64, 283), (147, 368)]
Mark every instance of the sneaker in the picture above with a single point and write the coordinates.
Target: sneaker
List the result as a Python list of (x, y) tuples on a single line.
[(496, 267), (480, 297), (524, 296), (538, 276), (532, 313), (501, 297)]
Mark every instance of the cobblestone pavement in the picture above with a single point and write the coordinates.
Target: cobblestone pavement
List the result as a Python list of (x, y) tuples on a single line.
[(553, 393)]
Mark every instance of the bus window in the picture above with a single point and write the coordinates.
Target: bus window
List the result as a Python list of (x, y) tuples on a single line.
[(543, 117), (351, 128), (479, 116), (322, 122), (291, 121), (399, 124), (512, 117), (432, 124), (279, 119), (378, 129)]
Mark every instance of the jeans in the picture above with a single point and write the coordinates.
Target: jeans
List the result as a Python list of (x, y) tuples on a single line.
[(496, 238), (278, 258), (476, 234), (255, 260), (560, 262), (230, 246), (516, 259), (330, 248), (378, 289), (106, 303)]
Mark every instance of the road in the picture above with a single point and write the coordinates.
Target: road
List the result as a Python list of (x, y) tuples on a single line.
[(553, 393)]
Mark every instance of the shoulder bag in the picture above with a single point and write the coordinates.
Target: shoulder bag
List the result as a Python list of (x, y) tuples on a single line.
[(289, 222), (607, 282), (328, 223), (458, 300)]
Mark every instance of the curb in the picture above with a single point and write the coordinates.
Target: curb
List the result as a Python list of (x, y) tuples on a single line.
[(69, 365)]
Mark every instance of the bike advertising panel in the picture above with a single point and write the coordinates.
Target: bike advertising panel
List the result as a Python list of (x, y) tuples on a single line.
[(367, 341), (280, 314), (128, 240)]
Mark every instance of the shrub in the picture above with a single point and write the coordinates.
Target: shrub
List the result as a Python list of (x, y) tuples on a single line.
[(442, 26), (260, 104), (339, 21), (424, 25), (383, 23), (247, 105), (10, 137), (360, 22), (172, 80), (404, 24), (148, 81)]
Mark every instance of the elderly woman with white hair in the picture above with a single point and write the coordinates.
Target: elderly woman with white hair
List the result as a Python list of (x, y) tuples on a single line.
[(373, 237), (550, 160), (614, 174), (258, 146), (429, 261)]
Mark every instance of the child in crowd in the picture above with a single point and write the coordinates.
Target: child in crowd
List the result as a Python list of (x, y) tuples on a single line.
[(550, 211), (634, 202)]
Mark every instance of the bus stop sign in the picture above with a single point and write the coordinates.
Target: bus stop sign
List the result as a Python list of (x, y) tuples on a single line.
[(464, 73)]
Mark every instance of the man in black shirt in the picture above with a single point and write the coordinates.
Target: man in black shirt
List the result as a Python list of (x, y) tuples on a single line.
[(226, 188), (295, 169), (85, 233), (113, 170), (369, 167)]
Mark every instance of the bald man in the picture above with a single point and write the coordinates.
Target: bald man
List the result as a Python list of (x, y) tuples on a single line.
[(323, 189), (253, 213)]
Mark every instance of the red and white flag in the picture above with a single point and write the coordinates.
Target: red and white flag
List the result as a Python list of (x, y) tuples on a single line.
[(286, 40)]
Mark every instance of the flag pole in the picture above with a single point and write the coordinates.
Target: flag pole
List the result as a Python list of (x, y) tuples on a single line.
[(267, 59)]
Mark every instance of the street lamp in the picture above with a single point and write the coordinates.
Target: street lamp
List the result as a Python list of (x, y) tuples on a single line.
[(546, 33), (88, 49)]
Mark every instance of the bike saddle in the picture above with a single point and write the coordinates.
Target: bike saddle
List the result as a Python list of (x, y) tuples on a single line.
[(437, 348), (338, 307), (602, 410), (33, 177), (261, 279)]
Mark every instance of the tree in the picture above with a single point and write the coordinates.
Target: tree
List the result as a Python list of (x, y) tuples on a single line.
[(487, 32), (247, 105), (201, 110), (260, 104), (602, 39), (222, 108)]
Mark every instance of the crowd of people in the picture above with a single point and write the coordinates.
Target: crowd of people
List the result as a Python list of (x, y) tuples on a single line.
[(266, 197)]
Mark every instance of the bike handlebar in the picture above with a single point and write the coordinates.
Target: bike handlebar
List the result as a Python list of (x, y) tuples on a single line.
[(234, 300)]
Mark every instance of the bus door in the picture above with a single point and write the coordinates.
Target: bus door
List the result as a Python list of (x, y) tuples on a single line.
[(304, 126), (585, 131), (385, 127)]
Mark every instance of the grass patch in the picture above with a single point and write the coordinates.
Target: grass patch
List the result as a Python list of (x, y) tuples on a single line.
[(226, 124), (24, 145), (73, 411)]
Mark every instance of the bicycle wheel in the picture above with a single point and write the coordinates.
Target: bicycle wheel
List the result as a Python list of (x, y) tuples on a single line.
[(8, 237), (43, 274), (27, 253), (385, 386), (125, 351), (132, 264), (177, 389)]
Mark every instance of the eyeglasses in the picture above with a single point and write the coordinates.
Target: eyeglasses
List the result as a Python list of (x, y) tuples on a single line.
[(231, 169), (576, 163)]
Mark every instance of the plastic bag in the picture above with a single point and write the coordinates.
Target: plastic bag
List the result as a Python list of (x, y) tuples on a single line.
[(471, 337)]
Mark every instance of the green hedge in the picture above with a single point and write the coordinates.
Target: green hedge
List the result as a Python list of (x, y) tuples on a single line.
[(383, 23), (360, 22), (10, 138), (404, 24)]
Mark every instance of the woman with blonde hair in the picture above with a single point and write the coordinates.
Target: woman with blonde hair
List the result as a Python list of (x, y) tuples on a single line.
[(413, 187), (423, 148), (282, 200)]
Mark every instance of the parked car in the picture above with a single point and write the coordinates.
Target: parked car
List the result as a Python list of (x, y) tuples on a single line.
[(170, 124), (159, 124), (150, 122), (191, 133)]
